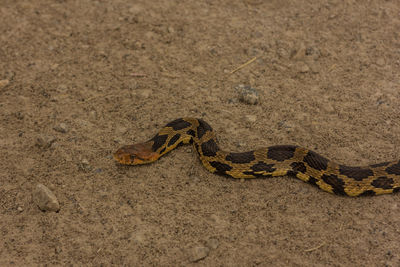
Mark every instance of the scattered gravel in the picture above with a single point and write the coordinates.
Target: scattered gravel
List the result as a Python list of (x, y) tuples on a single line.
[(45, 199)]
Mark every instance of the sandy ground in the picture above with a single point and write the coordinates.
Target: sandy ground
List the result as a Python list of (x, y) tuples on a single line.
[(81, 78)]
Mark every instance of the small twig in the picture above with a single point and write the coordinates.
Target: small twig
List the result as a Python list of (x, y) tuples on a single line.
[(315, 248), (332, 68), (244, 65)]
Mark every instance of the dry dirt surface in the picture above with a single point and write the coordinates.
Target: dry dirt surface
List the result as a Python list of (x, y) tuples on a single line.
[(78, 79)]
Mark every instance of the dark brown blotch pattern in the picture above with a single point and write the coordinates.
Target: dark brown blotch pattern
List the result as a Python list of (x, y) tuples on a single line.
[(244, 157), (158, 141), (298, 167), (174, 139), (336, 183), (261, 166), (394, 169), (209, 148), (367, 193), (220, 167), (191, 133), (178, 124), (313, 181), (383, 182), (316, 161), (203, 128), (281, 153), (357, 173)]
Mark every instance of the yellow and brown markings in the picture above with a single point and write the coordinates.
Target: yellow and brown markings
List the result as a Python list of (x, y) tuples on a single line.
[(277, 160)]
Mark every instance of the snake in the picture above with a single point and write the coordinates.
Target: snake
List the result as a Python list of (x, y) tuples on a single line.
[(278, 160)]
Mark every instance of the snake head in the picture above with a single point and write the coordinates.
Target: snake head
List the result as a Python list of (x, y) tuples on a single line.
[(136, 154)]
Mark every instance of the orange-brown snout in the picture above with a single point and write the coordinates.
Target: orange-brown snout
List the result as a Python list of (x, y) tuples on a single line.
[(135, 154)]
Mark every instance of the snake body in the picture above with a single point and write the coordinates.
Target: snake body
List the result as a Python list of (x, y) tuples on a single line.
[(307, 165)]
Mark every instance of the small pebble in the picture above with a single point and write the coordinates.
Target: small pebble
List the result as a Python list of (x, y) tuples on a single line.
[(199, 69), (247, 94), (212, 243), (198, 253), (57, 250), (145, 93), (62, 88), (282, 52), (93, 115), (171, 29), (62, 128), (250, 118), (217, 221), (380, 62), (121, 130), (45, 141), (45, 199), (313, 52), (20, 209), (299, 52), (19, 115), (136, 9), (241, 144), (314, 67), (4, 83), (328, 107), (302, 67), (85, 165), (150, 35), (285, 125)]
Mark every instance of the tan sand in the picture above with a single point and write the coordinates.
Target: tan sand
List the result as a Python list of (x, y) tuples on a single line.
[(81, 78)]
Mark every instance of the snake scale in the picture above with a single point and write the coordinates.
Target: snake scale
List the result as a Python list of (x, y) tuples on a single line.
[(307, 165)]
